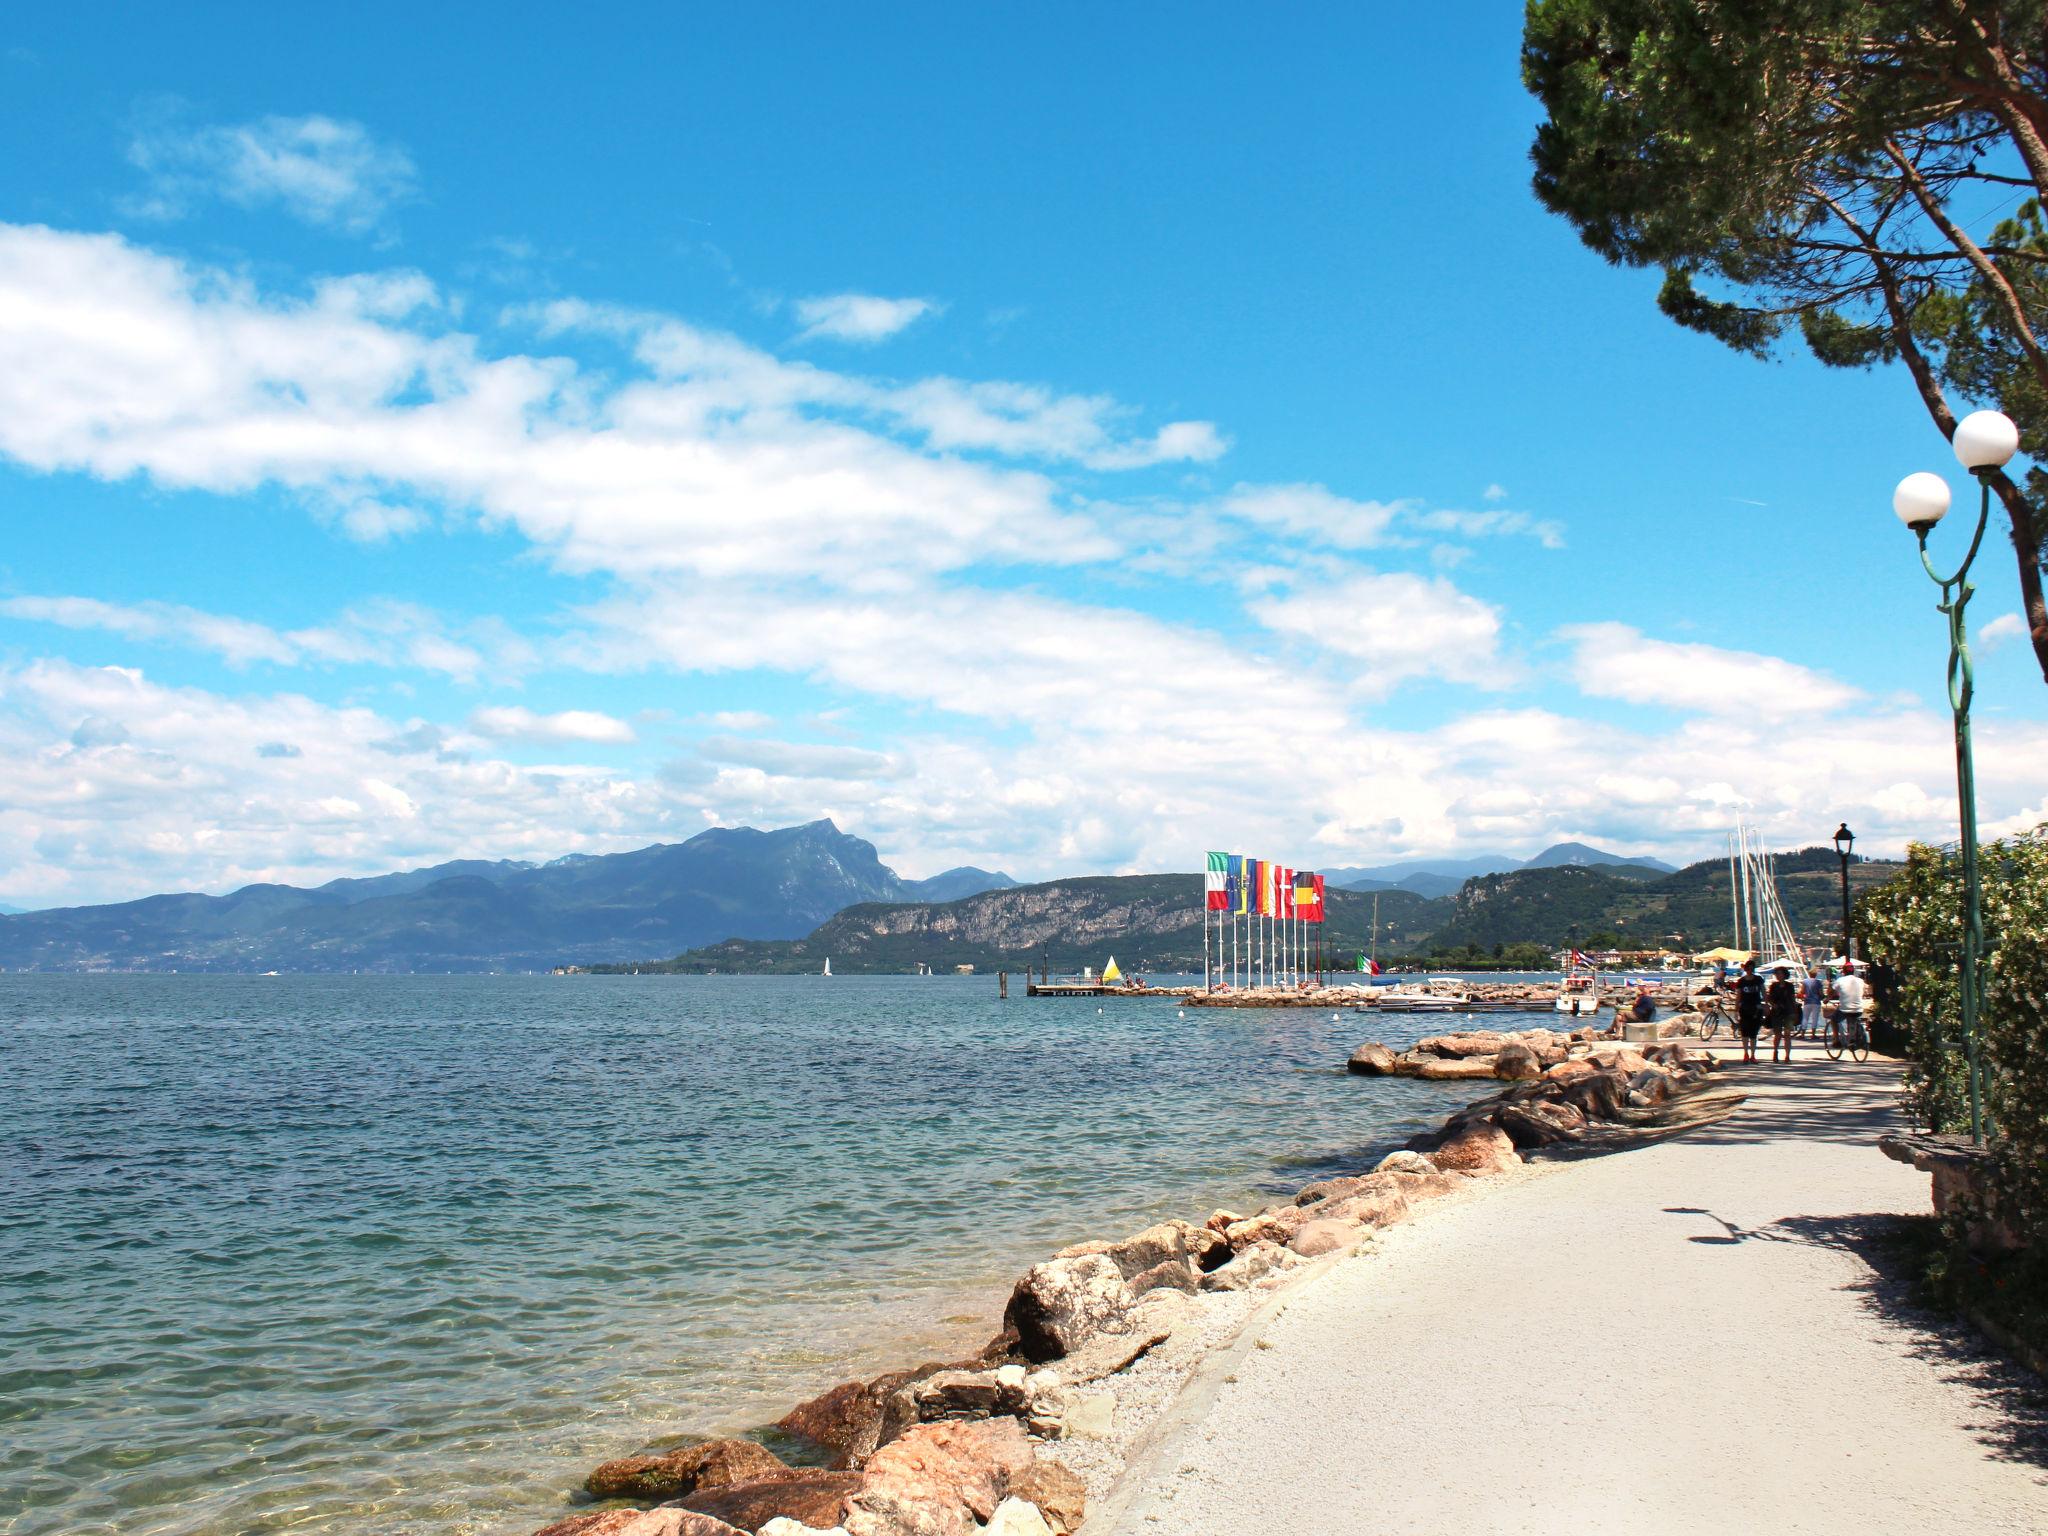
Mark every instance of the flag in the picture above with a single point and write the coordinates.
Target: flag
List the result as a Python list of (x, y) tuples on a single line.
[(1267, 907), (1322, 899), (1305, 896), (1233, 884), (1580, 959), (1284, 890), (1248, 887), (1215, 883)]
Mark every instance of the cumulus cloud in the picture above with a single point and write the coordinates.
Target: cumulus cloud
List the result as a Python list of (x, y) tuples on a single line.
[(515, 722), (1616, 661), (2001, 630), (857, 317), (860, 541), (1396, 626), (325, 171)]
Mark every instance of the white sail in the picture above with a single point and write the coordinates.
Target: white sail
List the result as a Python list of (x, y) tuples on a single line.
[(828, 965)]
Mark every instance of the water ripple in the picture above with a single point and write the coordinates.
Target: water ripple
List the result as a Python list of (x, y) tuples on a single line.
[(409, 1254)]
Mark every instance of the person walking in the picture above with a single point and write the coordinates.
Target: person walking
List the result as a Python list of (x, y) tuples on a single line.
[(1749, 1007), (1782, 1000), (1850, 996), (1812, 993)]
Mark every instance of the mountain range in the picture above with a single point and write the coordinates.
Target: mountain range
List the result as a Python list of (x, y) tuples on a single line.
[(479, 915), (1443, 877)]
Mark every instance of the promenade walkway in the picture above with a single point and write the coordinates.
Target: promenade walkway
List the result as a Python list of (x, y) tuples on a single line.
[(1685, 1337)]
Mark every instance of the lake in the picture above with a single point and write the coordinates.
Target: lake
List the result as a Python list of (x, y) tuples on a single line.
[(333, 1254)]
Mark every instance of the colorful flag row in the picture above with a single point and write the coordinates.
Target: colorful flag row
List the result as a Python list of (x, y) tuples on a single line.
[(1235, 883)]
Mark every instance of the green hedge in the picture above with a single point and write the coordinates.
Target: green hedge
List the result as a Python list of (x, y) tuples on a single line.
[(1915, 922)]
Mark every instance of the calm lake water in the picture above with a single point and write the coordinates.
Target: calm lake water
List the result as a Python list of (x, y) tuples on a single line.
[(410, 1254)]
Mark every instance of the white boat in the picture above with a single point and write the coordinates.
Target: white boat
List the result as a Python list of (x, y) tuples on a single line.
[(828, 965), (1578, 994), (1427, 997)]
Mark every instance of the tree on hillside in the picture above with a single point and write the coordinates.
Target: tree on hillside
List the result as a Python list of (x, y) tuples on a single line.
[(1820, 166)]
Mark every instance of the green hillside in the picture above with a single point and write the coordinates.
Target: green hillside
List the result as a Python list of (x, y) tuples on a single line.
[(1686, 910), (1149, 922)]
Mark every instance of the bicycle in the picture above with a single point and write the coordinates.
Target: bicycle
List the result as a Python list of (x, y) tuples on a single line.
[(1712, 1017), (1856, 1042)]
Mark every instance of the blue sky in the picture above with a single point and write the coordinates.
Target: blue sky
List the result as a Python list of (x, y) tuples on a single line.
[(1055, 441)]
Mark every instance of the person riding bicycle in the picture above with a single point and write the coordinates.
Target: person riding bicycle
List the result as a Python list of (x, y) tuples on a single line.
[(1850, 994)]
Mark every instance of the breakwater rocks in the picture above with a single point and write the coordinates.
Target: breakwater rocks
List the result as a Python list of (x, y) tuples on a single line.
[(1509, 1056), (1098, 1339), (1487, 994)]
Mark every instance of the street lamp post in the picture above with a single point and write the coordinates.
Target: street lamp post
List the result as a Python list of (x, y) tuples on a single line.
[(1984, 441), (1844, 841)]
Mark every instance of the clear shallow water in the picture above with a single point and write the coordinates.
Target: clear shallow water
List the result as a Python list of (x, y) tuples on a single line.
[(409, 1254)]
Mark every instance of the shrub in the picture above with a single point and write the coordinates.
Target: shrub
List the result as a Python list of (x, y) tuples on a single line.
[(1915, 923)]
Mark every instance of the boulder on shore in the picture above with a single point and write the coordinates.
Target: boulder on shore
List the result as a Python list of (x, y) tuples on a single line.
[(1541, 1122), (812, 1495), (640, 1522), (1325, 1235), (939, 1480), (1478, 1147), (1516, 1061), (715, 1464), (1405, 1161), (1061, 1496), (1058, 1305)]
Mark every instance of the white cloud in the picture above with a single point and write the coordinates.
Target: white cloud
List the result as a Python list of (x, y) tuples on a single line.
[(859, 538), (515, 722), (1615, 661), (326, 171), (1315, 512), (857, 317), (1494, 492), (380, 633), (1999, 631), (1395, 626)]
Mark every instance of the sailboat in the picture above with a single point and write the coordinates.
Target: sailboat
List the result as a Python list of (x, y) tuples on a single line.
[(828, 965)]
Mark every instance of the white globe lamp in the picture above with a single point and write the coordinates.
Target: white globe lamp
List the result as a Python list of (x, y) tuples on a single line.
[(1922, 498), (1985, 440)]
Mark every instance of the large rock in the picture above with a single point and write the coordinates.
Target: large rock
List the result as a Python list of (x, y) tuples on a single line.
[(1325, 1235), (782, 1525), (1247, 1269), (1060, 1304), (1276, 1224), (1541, 1122), (715, 1464), (1453, 1069), (1017, 1517), (1471, 1042), (1167, 1242), (1599, 1095), (848, 1419), (1649, 1087), (1060, 1496), (1372, 1208), (1477, 1148), (811, 1495), (640, 1522), (1405, 1161), (1372, 1060), (1571, 1071), (939, 1480), (1515, 1062)]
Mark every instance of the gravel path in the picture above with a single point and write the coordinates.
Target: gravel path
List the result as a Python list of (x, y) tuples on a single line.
[(1680, 1338)]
